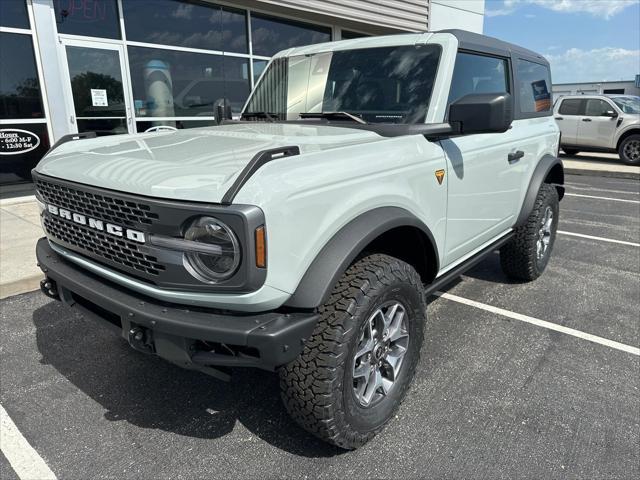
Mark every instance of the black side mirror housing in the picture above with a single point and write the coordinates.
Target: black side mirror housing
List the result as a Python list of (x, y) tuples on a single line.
[(223, 111), (610, 113), (482, 113)]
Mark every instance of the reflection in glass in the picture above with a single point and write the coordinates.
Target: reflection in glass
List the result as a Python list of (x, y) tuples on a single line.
[(179, 124), (19, 86), (270, 35), (102, 126), (96, 80), (382, 85), (169, 22), (534, 87), (258, 68), (13, 13), (168, 83), (91, 18), (478, 74)]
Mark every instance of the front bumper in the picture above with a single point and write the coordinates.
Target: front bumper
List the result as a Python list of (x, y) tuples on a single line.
[(199, 339)]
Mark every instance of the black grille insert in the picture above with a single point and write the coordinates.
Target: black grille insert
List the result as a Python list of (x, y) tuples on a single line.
[(118, 250), (103, 207)]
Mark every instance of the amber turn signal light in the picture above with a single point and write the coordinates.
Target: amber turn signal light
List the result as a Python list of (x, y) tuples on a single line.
[(261, 249)]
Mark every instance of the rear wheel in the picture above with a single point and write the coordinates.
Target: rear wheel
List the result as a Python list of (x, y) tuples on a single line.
[(629, 150), (355, 369), (526, 256), (570, 151)]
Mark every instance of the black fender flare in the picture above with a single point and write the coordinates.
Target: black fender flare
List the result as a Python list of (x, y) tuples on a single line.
[(540, 174), (343, 248)]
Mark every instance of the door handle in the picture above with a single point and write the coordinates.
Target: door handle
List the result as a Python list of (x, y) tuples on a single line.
[(515, 156), (559, 118), (586, 119)]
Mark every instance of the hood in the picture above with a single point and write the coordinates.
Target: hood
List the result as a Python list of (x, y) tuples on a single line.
[(197, 164)]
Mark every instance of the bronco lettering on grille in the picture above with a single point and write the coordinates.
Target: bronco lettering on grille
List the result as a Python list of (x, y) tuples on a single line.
[(96, 224)]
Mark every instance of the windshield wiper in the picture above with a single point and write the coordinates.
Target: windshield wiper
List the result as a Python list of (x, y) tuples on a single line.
[(348, 115), (272, 117)]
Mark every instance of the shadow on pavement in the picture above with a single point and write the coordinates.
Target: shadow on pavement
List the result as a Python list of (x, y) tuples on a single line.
[(151, 393)]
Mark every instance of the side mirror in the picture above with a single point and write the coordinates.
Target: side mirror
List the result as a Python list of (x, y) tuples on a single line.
[(482, 113), (610, 113), (223, 111)]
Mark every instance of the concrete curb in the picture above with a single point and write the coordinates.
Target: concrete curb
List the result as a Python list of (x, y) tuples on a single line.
[(602, 173), (24, 285)]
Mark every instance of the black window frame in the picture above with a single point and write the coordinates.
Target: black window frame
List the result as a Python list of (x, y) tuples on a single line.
[(518, 114), (299, 23)]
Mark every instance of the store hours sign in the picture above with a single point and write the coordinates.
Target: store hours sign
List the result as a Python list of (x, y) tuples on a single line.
[(14, 141)]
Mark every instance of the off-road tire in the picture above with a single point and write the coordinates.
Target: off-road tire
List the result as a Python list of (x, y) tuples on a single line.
[(570, 151), (624, 150), (317, 387), (519, 257)]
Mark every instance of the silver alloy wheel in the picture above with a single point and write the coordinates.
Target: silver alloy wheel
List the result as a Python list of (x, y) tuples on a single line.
[(632, 150), (381, 349), (544, 233)]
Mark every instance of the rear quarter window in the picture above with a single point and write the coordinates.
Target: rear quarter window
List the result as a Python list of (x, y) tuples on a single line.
[(533, 88), (570, 107)]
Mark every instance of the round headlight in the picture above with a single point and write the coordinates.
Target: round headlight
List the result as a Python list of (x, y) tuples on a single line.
[(220, 257)]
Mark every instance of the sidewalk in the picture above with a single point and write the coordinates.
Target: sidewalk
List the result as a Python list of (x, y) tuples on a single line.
[(600, 164), (19, 230)]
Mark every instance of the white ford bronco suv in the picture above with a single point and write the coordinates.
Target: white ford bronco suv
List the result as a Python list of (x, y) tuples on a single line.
[(305, 237)]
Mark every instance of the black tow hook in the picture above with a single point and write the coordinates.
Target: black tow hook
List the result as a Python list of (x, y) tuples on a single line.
[(49, 288), (140, 339)]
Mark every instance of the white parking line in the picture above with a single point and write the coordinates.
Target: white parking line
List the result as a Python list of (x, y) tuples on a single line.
[(600, 239), (541, 323), (591, 189), (24, 460), (601, 198)]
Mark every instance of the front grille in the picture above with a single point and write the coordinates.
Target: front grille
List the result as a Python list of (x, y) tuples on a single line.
[(104, 207), (116, 249)]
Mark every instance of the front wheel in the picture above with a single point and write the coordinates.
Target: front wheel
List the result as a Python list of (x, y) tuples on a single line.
[(355, 369), (527, 254), (629, 150)]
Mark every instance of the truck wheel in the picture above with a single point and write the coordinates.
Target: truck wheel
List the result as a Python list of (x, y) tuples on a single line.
[(570, 151), (355, 369), (629, 150), (526, 256)]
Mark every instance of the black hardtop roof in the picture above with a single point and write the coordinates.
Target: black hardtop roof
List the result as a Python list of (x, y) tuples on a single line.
[(483, 43)]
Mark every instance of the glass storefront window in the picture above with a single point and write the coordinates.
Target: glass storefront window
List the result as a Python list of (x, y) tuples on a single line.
[(186, 24), (169, 83), (348, 35), (20, 95), (13, 13), (177, 124), (22, 145), (91, 18), (258, 68), (270, 35)]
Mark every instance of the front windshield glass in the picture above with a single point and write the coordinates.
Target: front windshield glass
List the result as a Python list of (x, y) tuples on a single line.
[(379, 85), (628, 104)]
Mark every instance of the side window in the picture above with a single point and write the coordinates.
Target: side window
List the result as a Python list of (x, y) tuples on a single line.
[(570, 107), (478, 74), (597, 108), (534, 87)]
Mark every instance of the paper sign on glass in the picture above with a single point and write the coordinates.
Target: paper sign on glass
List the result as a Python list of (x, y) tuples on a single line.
[(99, 97)]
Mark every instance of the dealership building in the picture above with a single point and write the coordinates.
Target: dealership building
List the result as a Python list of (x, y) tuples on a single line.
[(126, 66)]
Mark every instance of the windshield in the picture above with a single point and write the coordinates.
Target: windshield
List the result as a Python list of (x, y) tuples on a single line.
[(628, 104), (379, 85)]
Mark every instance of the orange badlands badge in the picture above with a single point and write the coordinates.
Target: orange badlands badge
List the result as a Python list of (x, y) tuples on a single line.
[(440, 176)]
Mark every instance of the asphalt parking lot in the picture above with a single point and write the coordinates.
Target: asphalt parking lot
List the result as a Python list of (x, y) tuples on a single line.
[(494, 397)]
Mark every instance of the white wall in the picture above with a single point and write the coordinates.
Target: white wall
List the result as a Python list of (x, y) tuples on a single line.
[(462, 14)]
